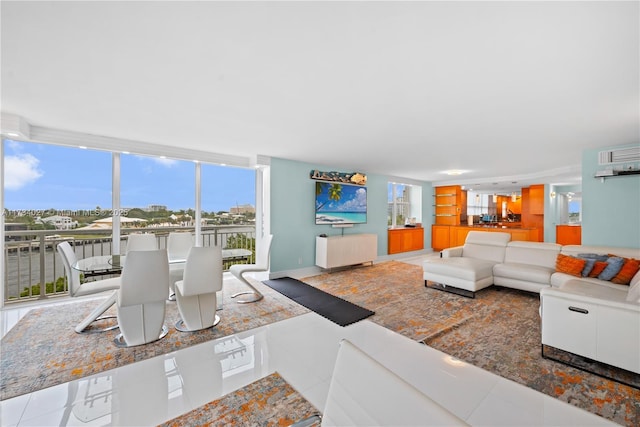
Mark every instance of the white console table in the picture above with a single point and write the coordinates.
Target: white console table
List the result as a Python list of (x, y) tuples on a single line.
[(350, 249)]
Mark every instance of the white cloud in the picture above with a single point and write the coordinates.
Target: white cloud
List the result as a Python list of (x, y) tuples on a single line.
[(20, 170), (164, 161)]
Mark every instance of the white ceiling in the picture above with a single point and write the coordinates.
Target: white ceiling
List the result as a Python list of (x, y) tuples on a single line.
[(506, 91)]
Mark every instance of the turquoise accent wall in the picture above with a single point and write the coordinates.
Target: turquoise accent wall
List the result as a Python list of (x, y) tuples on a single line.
[(610, 209), (293, 214)]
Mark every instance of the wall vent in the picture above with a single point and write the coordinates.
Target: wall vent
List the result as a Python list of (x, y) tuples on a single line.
[(621, 155)]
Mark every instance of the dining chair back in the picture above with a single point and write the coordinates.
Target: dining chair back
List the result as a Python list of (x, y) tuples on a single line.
[(141, 242), (141, 302), (77, 289), (263, 256), (178, 246), (196, 292)]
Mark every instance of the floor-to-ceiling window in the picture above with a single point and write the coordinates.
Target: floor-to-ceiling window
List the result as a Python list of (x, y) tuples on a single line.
[(57, 192), (156, 191), (228, 198)]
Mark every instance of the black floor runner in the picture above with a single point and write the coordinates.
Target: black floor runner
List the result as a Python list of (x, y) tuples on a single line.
[(333, 308)]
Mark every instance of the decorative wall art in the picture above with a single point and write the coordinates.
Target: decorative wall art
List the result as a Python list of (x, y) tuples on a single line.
[(356, 178)]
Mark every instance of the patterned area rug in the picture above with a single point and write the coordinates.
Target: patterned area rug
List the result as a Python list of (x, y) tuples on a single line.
[(498, 331), (43, 349), (270, 401)]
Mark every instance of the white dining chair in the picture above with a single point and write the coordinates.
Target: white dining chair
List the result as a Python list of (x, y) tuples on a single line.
[(196, 292), (178, 246), (263, 255), (141, 242), (141, 299), (78, 289)]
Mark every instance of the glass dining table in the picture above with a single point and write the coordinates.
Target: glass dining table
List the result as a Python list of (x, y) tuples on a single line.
[(101, 265)]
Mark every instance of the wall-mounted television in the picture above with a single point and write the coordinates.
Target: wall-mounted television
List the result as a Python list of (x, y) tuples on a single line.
[(338, 204)]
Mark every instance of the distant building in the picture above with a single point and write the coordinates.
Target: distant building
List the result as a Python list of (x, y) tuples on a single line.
[(242, 209), (156, 208), (60, 222)]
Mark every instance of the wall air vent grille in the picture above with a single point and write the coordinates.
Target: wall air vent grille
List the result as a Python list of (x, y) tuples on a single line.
[(621, 155)]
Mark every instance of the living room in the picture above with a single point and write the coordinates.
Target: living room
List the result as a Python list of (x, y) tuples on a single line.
[(529, 92)]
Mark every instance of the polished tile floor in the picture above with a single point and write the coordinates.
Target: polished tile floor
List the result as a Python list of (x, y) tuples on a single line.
[(303, 350)]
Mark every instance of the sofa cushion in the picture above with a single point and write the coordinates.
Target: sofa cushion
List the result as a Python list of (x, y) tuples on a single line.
[(570, 265), (614, 265), (558, 279), (532, 253), (591, 261), (588, 266), (471, 269), (597, 257), (593, 293), (575, 250), (486, 245), (525, 272), (598, 267), (629, 269)]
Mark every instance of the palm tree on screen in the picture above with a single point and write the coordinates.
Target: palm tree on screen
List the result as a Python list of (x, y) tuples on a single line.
[(334, 191)]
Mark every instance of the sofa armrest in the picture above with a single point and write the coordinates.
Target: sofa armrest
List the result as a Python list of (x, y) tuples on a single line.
[(456, 251)]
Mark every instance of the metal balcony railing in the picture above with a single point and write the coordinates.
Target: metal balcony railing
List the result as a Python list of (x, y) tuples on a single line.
[(30, 256)]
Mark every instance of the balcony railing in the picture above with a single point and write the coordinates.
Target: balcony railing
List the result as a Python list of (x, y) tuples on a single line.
[(30, 256)]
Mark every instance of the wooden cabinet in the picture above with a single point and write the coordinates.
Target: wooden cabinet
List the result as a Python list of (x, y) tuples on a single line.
[(448, 205), (536, 199), (445, 236), (405, 239), (533, 209), (440, 237), (569, 234)]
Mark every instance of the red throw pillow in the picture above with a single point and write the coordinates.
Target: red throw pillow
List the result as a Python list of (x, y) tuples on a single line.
[(570, 265), (598, 267), (629, 269)]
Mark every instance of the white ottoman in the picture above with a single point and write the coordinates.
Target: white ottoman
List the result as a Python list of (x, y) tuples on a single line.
[(467, 274)]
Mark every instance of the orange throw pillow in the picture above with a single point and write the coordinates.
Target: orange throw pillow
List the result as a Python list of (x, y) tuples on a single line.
[(570, 265), (598, 267), (629, 269)]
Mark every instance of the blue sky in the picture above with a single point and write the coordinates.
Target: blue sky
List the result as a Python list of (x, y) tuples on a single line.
[(43, 176), (353, 199)]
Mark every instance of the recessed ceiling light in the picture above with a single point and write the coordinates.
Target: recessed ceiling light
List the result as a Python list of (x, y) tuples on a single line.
[(13, 134), (454, 172)]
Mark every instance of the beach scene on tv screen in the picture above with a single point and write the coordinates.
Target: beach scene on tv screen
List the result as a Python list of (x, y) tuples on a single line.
[(340, 203)]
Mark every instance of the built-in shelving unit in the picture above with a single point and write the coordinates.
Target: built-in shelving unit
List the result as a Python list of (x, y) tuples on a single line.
[(448, 205)]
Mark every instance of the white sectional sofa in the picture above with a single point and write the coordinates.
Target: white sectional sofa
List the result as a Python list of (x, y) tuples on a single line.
[(489, 258), (586, 316)]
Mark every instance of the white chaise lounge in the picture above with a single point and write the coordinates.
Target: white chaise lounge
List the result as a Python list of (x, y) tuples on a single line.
[(469, 268)]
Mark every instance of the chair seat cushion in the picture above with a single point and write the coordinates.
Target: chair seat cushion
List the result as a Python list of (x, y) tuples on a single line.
[(471, 269), (527, 272), (89, 288)]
